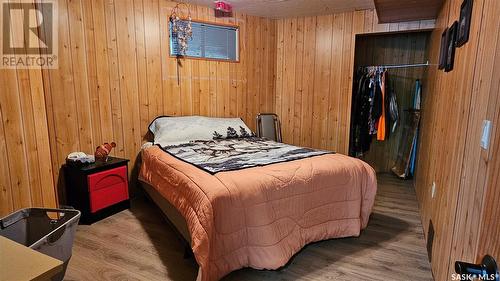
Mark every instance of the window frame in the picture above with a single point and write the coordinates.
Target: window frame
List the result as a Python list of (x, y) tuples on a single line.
[(238, 41)]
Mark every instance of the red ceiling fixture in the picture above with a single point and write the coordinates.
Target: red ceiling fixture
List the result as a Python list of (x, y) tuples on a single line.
[(223, 9)]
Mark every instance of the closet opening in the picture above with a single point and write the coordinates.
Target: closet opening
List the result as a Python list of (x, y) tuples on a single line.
[(388, 83)]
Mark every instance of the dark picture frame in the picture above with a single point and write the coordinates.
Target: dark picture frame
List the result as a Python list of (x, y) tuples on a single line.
[(442, 49), (464, 22), (450, 46)]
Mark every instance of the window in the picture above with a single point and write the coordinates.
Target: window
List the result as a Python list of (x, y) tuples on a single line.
[(209, 41)]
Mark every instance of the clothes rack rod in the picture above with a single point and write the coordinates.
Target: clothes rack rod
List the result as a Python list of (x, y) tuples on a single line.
[(401, 65)]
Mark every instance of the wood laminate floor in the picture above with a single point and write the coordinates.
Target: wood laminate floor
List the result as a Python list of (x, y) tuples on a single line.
[(138, 245)]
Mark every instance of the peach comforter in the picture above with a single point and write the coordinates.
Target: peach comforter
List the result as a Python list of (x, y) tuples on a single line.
[(260, 217)]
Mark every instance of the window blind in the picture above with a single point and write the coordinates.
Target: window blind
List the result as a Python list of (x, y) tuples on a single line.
[(209, 41)]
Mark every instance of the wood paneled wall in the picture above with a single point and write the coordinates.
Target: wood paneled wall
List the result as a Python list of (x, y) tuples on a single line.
[(25, 170), (454, 107), (478, 183), (489, 105), (115, 75), (314, 69), (390, 49)]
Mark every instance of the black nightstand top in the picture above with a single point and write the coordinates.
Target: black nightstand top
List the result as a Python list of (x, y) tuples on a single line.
[(100, 165)]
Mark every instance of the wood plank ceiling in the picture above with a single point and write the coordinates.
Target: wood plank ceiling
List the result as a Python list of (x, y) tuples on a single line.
[(407, 10), (292, 8)]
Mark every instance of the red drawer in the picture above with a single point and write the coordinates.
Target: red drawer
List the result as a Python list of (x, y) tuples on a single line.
[(108, 196), (107, 178), (107, 188)]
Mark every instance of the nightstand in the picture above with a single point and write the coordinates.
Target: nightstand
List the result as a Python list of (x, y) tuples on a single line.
[(98, 190)]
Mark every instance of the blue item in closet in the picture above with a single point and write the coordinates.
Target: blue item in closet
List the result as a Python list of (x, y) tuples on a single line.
[(416, 106)]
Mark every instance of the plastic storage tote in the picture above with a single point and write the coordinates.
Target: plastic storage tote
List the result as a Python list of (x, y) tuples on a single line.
[(49, 231)]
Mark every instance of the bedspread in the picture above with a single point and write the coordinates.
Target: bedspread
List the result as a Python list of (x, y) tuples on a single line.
[(260, 217), (222, 155)]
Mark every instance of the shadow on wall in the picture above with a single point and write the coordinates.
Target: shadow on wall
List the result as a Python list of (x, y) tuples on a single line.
[(61, 187)]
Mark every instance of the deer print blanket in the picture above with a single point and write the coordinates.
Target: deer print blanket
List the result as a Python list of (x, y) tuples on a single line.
[(221, 155)]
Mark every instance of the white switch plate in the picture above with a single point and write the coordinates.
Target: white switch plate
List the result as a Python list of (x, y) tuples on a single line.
[(433, 189), (485, 136)]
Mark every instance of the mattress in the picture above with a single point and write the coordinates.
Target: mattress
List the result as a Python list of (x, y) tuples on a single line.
[(260, 217)]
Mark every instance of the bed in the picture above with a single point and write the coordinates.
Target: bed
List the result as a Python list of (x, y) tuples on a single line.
[(243, 201)]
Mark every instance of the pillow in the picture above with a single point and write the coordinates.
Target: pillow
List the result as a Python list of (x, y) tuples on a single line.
[(175, 130)]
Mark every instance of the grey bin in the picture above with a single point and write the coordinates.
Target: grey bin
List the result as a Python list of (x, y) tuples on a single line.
[(49, 231)]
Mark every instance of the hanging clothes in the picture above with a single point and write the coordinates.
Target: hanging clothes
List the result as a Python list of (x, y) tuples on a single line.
[(376, 99), (360, 114), (393, 110), (372, 111), (381, 121), (387, 104), (366, 109)]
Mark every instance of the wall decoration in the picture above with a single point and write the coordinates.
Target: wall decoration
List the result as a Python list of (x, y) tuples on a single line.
[(464, 22), (442, 49), (181, 26), (450, 49)]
